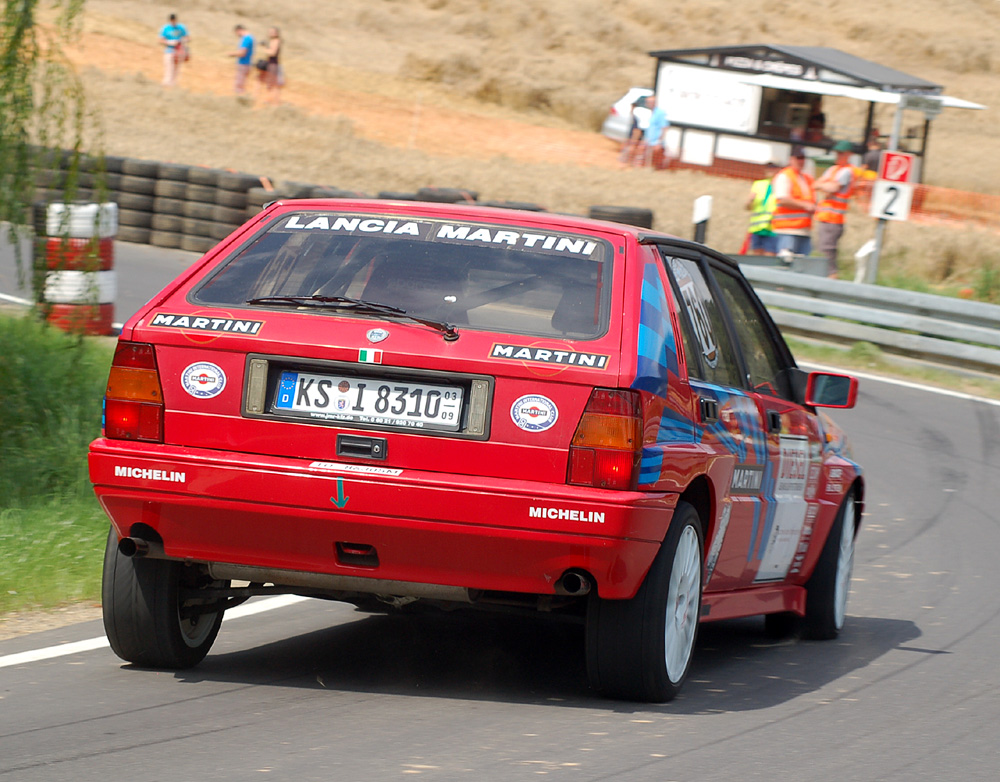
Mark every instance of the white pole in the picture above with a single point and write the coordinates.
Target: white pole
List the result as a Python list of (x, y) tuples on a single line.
[(897, 126)]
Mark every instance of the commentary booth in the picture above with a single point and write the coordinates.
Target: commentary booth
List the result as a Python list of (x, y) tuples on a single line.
[(734, 108)]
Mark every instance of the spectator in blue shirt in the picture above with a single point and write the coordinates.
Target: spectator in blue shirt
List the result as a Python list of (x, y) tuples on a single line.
[(174, 37), (653, 137), (244, 56)]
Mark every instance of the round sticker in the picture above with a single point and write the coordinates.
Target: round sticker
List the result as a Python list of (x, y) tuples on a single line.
[(203, 380), (534, 413)]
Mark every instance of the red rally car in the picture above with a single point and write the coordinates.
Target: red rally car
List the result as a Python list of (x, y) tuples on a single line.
[(385, 402)]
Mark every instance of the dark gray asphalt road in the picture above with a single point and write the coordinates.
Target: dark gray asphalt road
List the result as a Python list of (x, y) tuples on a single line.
[(314, 691)]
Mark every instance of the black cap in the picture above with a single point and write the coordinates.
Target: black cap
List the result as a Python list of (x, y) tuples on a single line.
[(798, 151)]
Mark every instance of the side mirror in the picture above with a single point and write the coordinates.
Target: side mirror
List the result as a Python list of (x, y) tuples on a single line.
[(825, 389)]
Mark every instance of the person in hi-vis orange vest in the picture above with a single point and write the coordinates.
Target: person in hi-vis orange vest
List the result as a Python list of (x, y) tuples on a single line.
[(834, 189), (792, 219)]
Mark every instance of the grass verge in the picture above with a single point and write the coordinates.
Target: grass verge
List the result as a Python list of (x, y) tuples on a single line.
[(52, 529), (51, 554), (866, 357)]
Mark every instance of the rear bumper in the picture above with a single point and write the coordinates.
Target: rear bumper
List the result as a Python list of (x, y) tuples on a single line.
[(427, 528)]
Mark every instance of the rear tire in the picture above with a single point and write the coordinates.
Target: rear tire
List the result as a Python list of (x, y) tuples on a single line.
[(829, 585), (641, 649), (146, 621)]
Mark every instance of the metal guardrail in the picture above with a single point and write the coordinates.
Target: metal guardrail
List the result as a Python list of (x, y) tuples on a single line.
[(937, 328)]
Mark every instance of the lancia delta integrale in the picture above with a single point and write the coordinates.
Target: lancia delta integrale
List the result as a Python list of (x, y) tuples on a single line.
[(394, 404)]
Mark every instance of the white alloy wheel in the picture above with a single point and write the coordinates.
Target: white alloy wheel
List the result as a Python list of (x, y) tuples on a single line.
[(845, 564), (196, 629), (828, 587), (683, 598)]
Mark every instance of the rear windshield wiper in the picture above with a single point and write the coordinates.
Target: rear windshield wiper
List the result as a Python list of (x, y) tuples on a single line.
[(357, 305)]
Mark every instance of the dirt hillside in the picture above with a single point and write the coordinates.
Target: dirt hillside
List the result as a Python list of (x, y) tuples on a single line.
[(501, 96)]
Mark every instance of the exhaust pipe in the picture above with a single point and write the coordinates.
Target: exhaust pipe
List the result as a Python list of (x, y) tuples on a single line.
[(136, 548), (326, 582), (573, 582)]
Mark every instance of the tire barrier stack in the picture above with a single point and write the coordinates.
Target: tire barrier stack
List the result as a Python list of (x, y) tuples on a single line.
[(164, 204), (264, 193), (643, 218), (397, 195), (524, 206), (183, 207), (192, 208), (56, 172), (74, 250), (135, 199), (447, 195)]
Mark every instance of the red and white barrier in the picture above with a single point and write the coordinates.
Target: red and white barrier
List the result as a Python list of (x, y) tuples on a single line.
[(78, 251)]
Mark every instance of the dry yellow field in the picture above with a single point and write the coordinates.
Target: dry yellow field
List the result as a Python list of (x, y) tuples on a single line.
[(505, 98)]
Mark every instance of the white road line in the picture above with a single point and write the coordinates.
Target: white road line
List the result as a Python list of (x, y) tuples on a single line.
[(902, 383), (48, 653), (260, 606), (15, 300), (36, 655)]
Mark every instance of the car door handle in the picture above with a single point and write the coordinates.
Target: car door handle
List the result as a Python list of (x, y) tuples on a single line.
[(709, 409), (773, 421)]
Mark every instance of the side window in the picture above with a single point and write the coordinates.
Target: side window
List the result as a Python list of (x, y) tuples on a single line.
[(713, 358), (765, 363)]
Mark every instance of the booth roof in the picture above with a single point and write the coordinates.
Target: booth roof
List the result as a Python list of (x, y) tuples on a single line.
[(857, 71)]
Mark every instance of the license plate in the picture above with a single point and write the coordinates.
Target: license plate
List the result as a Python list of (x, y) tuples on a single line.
[(370, 401)]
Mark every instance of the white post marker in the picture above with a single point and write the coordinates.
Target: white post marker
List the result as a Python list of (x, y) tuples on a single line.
[(702, 212)]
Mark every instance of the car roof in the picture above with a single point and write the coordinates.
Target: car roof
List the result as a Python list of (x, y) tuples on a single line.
[(675, 242), (460, 210), (471, 211)]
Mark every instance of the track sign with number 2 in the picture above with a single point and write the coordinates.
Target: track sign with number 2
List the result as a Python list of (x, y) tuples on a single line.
[(891, 200)]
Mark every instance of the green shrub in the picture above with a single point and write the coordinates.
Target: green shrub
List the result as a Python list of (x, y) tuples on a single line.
[(51, 389), (987, 282)]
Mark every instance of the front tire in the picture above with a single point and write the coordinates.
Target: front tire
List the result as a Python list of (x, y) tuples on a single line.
[(641, 649), (147, 619), (829, 585)]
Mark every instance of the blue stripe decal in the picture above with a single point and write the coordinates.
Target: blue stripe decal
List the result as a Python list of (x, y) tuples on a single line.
[(650, 465), (655, 348), (674, 429)]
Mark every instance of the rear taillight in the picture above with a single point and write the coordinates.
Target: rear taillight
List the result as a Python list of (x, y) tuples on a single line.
[(608, 441), (133, 402)]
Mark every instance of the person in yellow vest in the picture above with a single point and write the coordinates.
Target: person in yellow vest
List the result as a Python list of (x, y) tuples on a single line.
[(761, 203), (796, 202), (834, 189)]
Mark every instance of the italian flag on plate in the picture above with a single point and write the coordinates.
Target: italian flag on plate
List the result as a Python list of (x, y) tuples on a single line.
[(370, 356)]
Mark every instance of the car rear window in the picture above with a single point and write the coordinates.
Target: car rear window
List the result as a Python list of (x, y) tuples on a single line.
[(482, 276)]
